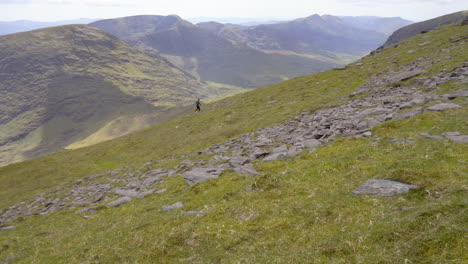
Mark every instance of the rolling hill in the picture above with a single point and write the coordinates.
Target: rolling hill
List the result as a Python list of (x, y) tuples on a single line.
[(206, 55), (424, 26), (61, 85), (313, 35), (268, 176)]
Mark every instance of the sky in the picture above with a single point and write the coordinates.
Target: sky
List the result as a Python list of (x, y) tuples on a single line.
[(54, 10)]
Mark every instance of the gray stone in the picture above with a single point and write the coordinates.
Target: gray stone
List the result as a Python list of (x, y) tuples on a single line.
[(311, 143), (448, 134), (85, 210), (8, 228), (282, 148), (457, 138), (383, 188), (428, 136), (459, 93), (405, 75), (407, 115), (160, 191), (238, 161), (247, 169), (259, 153), (7, 260), (294, 151), (276, 156), (442, 107), (367, 134), (193, 213), (119, 201), (173, 206), (126, 192), (197, 175), (371, 111), (401, 140)]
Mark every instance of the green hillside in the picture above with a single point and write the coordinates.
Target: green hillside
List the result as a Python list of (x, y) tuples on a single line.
[(208, 56), (416, 28), (299, 209), (60, 85)]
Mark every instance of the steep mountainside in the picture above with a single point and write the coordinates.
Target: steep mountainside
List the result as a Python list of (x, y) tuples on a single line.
[(10, 27), (269, 176), (416, 28), (206, 55), (60, 85), (311, 35), (386, 25)]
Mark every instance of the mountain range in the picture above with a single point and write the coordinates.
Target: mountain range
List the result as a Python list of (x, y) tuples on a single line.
[(206, 55)]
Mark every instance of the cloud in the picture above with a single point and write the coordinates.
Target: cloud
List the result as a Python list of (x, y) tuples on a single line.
[(70, 2), (393, 2)]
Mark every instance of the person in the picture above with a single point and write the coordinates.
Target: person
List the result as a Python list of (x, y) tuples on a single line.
[(198, 104)]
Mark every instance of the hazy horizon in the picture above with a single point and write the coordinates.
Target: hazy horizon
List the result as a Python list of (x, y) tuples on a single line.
[(261, 10)]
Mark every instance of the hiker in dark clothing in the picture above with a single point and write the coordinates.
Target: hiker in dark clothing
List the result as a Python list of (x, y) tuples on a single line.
[(198, 104)]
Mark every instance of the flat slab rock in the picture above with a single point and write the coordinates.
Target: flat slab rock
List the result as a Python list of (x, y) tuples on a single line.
[(119, 201), (442, 107), (197, 175), (174, 206), (383, 188)]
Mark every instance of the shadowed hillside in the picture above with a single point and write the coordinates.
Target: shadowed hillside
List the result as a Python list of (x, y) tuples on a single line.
[(60, 85)]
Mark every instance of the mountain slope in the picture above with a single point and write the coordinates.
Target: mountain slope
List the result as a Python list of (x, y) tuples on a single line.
[(311, 35), (416, 28), (206, 55), (60, 85), (386, 25), (298, 209)]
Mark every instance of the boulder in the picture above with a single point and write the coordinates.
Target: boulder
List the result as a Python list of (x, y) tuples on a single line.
[(377, 187), (119, 201), (442, 107), (197, 175), (126, 192), (173, 206), (276, 156)]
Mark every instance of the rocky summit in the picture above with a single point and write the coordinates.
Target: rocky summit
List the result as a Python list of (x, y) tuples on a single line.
[(361, 164)]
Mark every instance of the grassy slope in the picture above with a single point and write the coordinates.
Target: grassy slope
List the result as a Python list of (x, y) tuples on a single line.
[(300, 211)]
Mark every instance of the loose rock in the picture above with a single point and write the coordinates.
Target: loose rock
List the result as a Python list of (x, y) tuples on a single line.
[(383, 188), (174, 206), (119, 201)]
